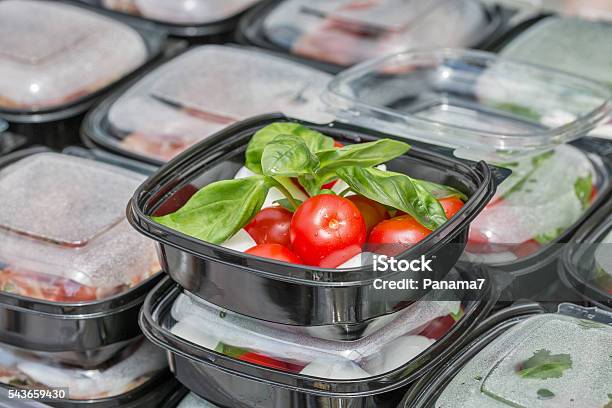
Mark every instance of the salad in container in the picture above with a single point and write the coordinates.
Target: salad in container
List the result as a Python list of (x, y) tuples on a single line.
[(547, 360), (192, 19), (56, 58), (198, 93), (292, 212), (340, 33), (136, 377), (586, 265), (232, 360), (72, 272), (516, 115)]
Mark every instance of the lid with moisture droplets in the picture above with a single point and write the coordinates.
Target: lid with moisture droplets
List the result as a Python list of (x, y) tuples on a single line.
[(52, 53), (64, 217), (345, 32), (204, 90), (550, 360)]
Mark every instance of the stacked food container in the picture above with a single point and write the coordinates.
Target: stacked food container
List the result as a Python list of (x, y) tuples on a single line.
[(73, 277), (56, 59)]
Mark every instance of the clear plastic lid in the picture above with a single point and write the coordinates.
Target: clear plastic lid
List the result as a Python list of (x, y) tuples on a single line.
[(181, 11), (133, 367), (52, 53), (495, 108), (193, 401), (63, 231), (207, 88), (550, 360), (346, 32), (383, 347), (573, 45), (591, 9)]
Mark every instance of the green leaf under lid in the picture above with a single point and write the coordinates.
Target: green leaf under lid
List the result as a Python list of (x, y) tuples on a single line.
[(315, 141), (543, 365), (583, 187), (217, 211), (395, 190), (288, 156), (440, 191)]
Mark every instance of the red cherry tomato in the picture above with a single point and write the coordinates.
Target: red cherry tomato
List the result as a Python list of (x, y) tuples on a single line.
[(594, 194), (270, 362), (327, 230), (526, 248), (271, 226), (451, 206), (397, 234), (275, 251), (437, 328), (371, 211)]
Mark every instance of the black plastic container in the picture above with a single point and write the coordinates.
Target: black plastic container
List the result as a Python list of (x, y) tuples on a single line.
[(577, 264), (425, 392), (58, 126), (9, 141), (216, 31), (147, 395), (225, 381), (280, 292), (251, 32), (81, 333)]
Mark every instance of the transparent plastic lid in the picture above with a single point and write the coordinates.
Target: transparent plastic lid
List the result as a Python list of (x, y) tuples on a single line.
[(207, 88), (133, 367), (193, 401), (63, 231), (573, 45), (181, 11), (493, 108), (549, 360), (383, 347), (52, 53), (591, 9), (346, 32)]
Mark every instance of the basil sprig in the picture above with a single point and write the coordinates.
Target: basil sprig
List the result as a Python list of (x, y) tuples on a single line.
[(219, 210), (395, 190)]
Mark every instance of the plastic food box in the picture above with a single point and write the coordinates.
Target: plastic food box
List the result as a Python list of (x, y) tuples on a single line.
[(549, 360), (340, 33), (586, 266), (54, 71), (8, 140), (136, 378), (281, 292), (196, 20), (199, 93), (233, 360), (513, 114), (71, 289)]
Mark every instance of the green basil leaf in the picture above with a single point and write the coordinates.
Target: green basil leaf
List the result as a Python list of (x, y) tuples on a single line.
[(311, 184), (288, 156), (217, 211), (441, 191), (395, 190), (583, 187), (362, 154), (548, 237), (285, 203), (315, 141), (543, 365)]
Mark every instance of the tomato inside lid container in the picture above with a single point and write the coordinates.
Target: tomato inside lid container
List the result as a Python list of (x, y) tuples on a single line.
[(515, 115), (56, 57), (69, 261), (199, 93), (341, 33)]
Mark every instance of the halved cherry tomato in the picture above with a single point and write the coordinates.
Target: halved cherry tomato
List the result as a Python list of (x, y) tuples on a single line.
[(271, 226), (397, 234), (327, 230), (270, 362), (371, 211), (275, 251), (438, 327), (451, 206), (526, 248)]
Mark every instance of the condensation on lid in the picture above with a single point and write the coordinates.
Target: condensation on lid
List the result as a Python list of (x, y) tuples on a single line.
[(469, 99), (110, 380), (52, 53), (576, 353), (65, 216), (208, 87), (181, 11), (573, 45), (346, 32)]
